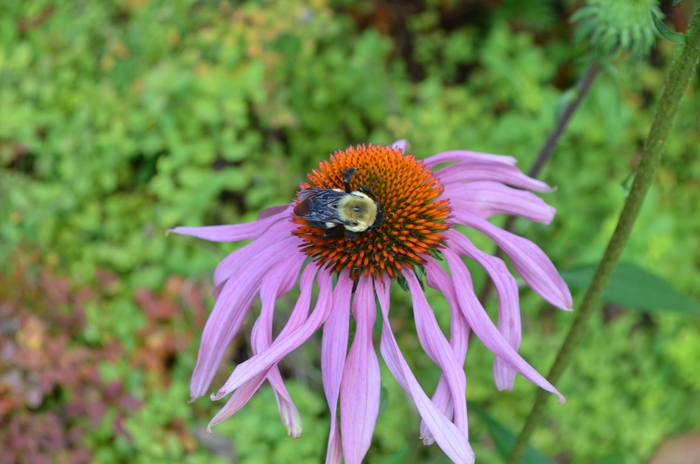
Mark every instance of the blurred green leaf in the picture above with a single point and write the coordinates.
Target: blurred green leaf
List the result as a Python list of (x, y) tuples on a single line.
[(610, 459), (634, 288), (504, 439), (400, 456), (629, 180)]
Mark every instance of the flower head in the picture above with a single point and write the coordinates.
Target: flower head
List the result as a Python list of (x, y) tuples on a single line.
[(613, 26), (414, 217), (418, 205)]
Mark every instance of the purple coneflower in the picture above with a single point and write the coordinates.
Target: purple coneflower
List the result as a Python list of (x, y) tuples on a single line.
[(353, 270)]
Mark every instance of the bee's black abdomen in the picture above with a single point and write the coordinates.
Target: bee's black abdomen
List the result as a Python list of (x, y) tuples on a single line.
[(319, 206)]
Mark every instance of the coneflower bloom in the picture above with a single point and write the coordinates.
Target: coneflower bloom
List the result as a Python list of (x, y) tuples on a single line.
[(420, 203)]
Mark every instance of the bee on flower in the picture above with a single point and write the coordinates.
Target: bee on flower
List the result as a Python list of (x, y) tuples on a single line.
[(370, 215)]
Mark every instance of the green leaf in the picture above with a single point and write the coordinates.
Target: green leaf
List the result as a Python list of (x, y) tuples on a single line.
[(435, 254), (634, 288), (666, 33), (627, 183), (401, 280), (420, 275), (504, 439), (676, 2)]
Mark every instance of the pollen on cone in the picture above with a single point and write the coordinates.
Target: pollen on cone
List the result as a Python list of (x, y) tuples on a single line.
[(407, 192)]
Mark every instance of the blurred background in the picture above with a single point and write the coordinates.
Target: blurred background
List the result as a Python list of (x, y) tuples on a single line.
[(120, 119)]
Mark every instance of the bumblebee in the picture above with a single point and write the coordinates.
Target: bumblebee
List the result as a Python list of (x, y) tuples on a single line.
[(339, 210)]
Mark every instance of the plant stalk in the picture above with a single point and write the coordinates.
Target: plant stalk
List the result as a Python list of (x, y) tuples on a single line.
[(677, 81)]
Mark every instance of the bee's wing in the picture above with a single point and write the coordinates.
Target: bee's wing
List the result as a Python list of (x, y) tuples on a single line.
[(319, 205)]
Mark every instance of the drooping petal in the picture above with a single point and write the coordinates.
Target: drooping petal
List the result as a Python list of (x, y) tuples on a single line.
[(228, 314), (448, 437), (333, 351), (302, 305), (527, 258), (484, 328), (459, 341), (360, 385), (286, 342), (468, 171), (275, 285), (486, 199), (236, 232), (508, 301), (464, 155), (278, 281), (439, 350), (237, 401), (282, 230)]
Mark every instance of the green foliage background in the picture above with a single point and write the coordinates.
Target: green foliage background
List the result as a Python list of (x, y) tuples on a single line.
[(120, 119)]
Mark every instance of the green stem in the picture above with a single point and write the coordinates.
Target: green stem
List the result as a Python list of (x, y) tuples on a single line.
[(676, 82)]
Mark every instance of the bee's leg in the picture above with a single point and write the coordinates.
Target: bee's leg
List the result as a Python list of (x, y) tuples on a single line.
[(367, 191), (317, 224), (380, 217), (347, 175), (329, 233), (349, 234)]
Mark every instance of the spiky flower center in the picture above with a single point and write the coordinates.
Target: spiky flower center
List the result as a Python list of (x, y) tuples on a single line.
[(407, 192)]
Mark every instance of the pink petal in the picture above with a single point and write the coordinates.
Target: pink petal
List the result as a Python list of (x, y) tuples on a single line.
[(333, 351), (236, 232), (400, 144), (218, 289), (302, 305), (463, 155), (486, 199), (275, 285), (285, 344), (439, 350), (279, 280), (272, 211), (289, 414), (360, 385), (448, 437), (278, 232), (468, 171), (239, 399), (459, 341), (508, 301), (527, 258), (484, 328), (228, 314)]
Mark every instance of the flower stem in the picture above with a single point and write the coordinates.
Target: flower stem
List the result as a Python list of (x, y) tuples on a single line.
[(582, 88), (676, 82)]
